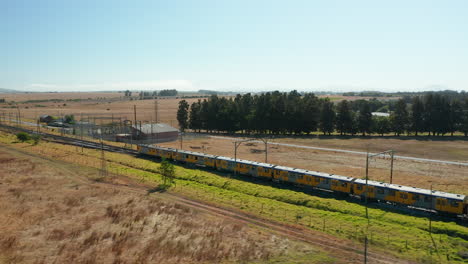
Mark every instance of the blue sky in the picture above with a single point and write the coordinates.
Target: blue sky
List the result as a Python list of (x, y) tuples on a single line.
[(233, 45)]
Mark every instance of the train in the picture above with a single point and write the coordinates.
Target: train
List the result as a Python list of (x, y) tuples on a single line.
[(441, 202)]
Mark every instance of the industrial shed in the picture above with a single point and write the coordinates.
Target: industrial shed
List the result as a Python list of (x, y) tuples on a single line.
[(159, 132)]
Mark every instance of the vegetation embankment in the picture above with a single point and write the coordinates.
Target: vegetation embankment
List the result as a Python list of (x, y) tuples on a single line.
[(398, 234)]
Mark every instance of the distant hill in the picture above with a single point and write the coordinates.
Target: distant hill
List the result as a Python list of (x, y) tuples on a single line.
[(4, 90)]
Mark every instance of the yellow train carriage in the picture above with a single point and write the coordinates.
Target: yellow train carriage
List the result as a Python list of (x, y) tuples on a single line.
[(341, 183), (209, 161), (410, 196), (264, 171), (280, 173)]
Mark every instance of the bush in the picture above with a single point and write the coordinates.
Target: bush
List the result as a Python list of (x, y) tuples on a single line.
[(23, 136), (36, 139)]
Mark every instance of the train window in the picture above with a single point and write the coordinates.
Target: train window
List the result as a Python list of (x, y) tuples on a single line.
[(317, 179), (454, 204), (415, 197), (427, 199), (391, 192), (301, 177), (326, 181), (380, 191), (196, 158), (266, 170), (403, 195), (344, 184), (359, 187)]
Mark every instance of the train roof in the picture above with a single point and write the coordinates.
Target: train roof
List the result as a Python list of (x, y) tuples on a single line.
[(329, 176), (225, 158), (412, 189), (262, 164)]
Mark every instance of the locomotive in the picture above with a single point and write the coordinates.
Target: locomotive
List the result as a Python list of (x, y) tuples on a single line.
[(441, 202)]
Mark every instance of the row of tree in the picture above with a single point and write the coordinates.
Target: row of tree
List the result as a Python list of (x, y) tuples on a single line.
[(294, 113), (151, 95)]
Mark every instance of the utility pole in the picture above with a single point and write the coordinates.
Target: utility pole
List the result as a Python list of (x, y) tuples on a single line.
[(236, 145), (156, 118), (103, 172), (181, 139), (392, 153), (365, 249), (81, 130), (135, 120), (367, 183), (265, 141), (19, 116), (366, 192)]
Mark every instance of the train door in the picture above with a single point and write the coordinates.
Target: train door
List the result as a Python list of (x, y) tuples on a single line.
[(441, 204)]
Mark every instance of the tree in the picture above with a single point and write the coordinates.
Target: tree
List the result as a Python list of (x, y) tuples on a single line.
[(381, 125), (455, 117), (417, 116), (36, 139), (195, 118), (463, 126), (182, 115), (364, 119), (327, 117), (344, 120), (167, 171), (69, 119), (171, 92), (23, 136), (399, 118)]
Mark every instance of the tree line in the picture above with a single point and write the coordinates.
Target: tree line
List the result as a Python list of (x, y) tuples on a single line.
[(294, 113), (151, 95)]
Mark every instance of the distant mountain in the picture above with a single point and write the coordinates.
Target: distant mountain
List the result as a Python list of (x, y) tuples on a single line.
[(4, 90)]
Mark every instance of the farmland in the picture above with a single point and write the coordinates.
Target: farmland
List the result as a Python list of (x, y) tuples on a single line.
[(398, 236), (340, 219), (443, 177)]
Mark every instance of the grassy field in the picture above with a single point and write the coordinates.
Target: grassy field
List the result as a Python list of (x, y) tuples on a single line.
[(397, 234), (52, 212)]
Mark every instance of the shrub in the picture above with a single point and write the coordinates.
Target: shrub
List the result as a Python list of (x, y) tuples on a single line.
[(36, 139), (23, 136)]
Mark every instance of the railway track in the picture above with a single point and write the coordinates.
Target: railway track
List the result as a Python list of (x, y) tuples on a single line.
[(72, 141)]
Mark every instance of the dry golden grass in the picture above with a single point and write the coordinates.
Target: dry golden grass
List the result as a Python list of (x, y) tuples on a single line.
[(52, 214), (100, 105), (20, 97)]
